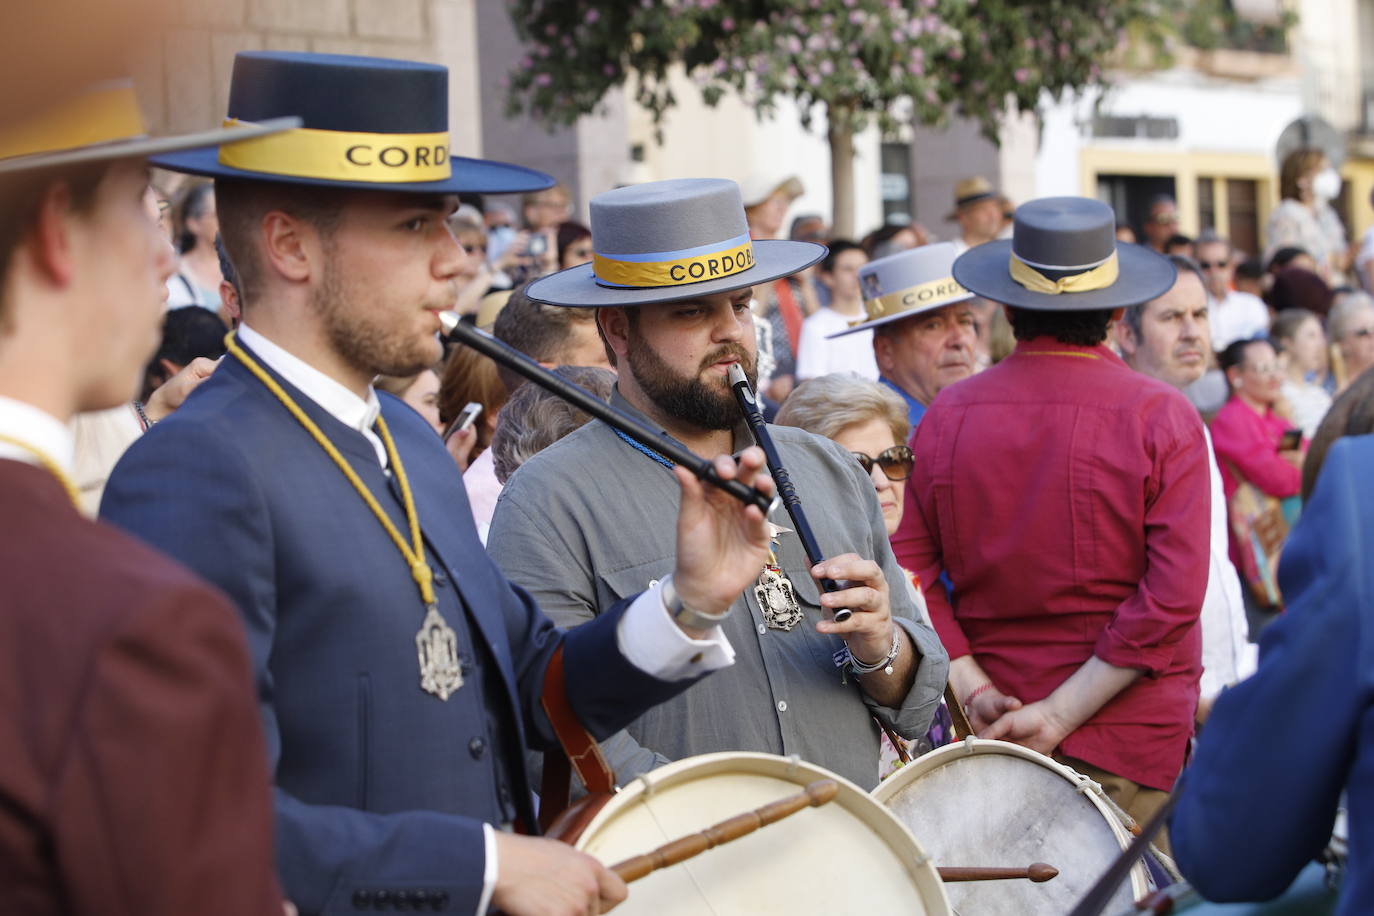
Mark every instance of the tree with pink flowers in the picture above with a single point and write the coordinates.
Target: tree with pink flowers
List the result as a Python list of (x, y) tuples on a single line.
[(860, 61)]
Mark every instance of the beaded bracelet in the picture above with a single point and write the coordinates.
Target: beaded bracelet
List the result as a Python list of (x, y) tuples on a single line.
[(974, 693)]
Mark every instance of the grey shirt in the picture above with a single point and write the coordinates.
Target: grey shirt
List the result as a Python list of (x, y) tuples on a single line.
[(591, 520)]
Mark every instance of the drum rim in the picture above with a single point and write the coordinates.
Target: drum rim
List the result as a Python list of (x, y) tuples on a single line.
[(922, 870), (971, 746)]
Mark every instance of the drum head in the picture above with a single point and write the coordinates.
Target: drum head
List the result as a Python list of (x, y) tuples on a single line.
[(990, 803), (847, 856)]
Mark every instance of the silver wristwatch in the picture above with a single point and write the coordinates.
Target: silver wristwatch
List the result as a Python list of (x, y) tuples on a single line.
[(684, 616)]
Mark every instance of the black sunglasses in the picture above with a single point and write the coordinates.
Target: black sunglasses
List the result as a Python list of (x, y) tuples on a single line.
[(896, 462)]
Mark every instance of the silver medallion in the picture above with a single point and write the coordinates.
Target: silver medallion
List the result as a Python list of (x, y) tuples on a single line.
[(437, 647), (777, 600)]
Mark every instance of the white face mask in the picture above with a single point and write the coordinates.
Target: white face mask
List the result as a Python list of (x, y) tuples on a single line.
[(1326, 185)]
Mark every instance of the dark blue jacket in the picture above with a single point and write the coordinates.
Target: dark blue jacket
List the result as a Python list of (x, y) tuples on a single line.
[(381, 789), (1258, 801)]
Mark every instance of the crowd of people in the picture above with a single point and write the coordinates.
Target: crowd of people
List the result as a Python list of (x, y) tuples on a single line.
[(354, 590)]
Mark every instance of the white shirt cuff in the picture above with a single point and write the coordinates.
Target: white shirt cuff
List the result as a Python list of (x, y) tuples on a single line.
[(488, 870), (656, 645)]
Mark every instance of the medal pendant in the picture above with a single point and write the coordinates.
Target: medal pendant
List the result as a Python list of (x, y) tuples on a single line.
[(777, 600), (437, 646)]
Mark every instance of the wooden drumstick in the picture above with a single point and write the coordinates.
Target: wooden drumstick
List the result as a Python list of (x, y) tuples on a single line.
[(680, 850), (1038, 872)]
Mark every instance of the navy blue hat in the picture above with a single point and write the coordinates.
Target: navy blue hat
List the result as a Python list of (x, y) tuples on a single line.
[(367, 122), (1063, 256)]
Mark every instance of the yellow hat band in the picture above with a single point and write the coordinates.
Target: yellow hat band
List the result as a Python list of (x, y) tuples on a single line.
[(674, 268), (101, 115), (338, 155), (923, 296), (1100, 277)]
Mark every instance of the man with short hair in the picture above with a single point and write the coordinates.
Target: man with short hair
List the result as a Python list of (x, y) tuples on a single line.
[(1067, 499), (1167, 339), (978, 209), (131, 758), (576, 525), (400, 676), (1235, 315), (818, 355), (1161, 222)]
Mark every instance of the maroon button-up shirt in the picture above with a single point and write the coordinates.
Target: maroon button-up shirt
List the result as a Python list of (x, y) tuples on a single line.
[(1068, 499)]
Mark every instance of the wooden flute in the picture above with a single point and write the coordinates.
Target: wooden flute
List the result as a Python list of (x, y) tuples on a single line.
[(748, 404), (587, 402)]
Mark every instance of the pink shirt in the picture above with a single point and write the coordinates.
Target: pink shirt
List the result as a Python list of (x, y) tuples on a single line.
[(1068, 500), (1248, 442)]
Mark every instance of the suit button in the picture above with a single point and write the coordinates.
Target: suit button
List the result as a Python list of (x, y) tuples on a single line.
[(362, 900), (382, 899), (477, 747)]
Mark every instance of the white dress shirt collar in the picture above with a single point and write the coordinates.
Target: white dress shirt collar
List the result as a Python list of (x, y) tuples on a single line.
[(36, 428), (340, 403)]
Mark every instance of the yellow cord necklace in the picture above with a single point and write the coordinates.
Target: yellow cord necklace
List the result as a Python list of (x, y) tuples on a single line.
[(436, 644), (50, 465)]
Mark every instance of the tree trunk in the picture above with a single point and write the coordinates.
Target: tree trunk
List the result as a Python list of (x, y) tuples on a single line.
[(840, 133)]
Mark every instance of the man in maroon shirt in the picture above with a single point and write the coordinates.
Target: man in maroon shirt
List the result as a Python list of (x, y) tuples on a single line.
[(1067, 499)]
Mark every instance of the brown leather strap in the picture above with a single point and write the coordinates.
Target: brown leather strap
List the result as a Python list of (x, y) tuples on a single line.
[(577, 748), (958, 718)]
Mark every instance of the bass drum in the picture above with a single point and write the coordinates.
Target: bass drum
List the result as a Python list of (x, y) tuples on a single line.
[(991, 803), (848, 856)]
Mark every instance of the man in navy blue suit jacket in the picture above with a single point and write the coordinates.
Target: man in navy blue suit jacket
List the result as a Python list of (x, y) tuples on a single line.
[(1259, 799), (398, 686)]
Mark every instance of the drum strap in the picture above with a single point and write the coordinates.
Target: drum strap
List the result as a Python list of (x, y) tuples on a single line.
[(962, 727), (577, 749)]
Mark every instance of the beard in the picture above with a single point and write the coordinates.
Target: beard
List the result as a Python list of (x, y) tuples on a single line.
[(689, 398), (368, 339)]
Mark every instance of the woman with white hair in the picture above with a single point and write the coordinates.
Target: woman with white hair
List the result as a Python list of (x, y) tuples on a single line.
[(1350, 325), (870, 421)]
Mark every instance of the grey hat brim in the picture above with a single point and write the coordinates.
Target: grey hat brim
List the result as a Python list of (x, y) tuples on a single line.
[(888, 319), (1143, 275), (143, 147), (576, 287)]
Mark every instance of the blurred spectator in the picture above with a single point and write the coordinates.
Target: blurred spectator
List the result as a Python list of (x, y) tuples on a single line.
[(533, 419), (1364, 258), (839, 273), (1125, 234), (1290, 256), (574, 244), (809, 227), (1161, 222), (499, 220), (893, 237), (870, 421), (197, 279), (1179, 244), (1305, 218), (533, 252), (1249, 277), (187, 332), (782, 304), (420, 391), (1351, 414), (1249, 437), (978, 210), (1235, 315), (1351, 329), (1008, 209), (1168, 339), (1297, 288), (475, 277), (469, 376), (1303, 353)]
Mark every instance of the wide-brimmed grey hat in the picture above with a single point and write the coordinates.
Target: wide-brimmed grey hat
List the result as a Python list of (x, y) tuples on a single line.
[(665, 241), (907, 283), (1063, 256), (103, 123)]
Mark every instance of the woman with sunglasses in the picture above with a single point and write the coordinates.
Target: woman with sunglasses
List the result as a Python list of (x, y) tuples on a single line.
[(870, 421)]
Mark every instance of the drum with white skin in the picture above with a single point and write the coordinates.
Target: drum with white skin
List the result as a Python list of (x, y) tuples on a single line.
[(848, 856), (991, 803)]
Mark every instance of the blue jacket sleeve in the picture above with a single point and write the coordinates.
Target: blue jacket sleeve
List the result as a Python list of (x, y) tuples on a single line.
[(187, 489), (1313, 675)]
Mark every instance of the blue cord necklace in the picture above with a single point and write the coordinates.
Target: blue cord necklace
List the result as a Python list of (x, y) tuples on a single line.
[(644, 449)]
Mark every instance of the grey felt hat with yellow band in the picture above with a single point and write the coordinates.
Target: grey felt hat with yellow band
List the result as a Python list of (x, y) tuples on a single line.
[(1063, 256), (666, 241), (103, 123), (907, 283), (368, 123)]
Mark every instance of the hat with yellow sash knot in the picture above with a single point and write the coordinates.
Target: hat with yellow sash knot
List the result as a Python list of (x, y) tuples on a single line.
[(666, 241), (907, 283), (1063, 256), (103, 123), (368, 123)]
